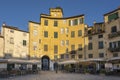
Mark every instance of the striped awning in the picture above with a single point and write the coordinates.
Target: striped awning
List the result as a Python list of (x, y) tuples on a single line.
[(68, 62), (20, 61)]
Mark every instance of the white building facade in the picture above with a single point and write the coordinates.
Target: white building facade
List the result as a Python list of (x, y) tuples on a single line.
[(16, 42)]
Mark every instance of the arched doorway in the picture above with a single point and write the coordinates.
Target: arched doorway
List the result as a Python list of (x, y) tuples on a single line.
[(45, 63)]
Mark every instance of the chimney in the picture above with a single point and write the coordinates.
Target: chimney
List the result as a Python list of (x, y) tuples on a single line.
[(4, 24)]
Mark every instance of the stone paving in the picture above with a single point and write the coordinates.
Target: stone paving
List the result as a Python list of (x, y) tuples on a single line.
[(49, 75)]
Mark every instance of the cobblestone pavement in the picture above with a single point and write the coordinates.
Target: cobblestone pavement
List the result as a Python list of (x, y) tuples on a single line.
[(48, 75)]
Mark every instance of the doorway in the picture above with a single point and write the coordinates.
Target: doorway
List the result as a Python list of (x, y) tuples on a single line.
[(45, 63)]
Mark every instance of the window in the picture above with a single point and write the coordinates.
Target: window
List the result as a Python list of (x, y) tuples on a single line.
[(110, 45), (100, 36), (66, 30), (24, 42), (90, 55), (62, 30), (62, 43), (90, 46), (80, 56), (46, 34), (62, 56), (67, 56), (113, 29), (76, 22), (55, 49), (100, 45), (119, 44), (79, 47), (114, 44), (46, 22), (73, 34), (67, 42), (99, 29), (55, 23), (115, 55), (81, 20), (90, 37), (45, 47), (11, 40), (69, 22), (79, 33), (35, 32), (101, 55), (55, 34), (72, 47)]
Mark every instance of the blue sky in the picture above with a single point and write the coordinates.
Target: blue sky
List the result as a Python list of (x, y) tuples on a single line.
[(18, 12)]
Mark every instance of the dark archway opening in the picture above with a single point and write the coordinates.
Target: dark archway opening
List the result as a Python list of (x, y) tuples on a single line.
[(45, 63)]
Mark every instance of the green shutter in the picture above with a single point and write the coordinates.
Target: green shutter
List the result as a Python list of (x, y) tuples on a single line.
[(55, 23), (45, 33), (113, 16), (24, 42), (79, 33), (69, 22), (76, 22), (55, 34)]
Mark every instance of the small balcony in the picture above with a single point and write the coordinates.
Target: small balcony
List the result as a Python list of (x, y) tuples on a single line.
[(112, 35), (96, 32), (73, 52), (117, 49)]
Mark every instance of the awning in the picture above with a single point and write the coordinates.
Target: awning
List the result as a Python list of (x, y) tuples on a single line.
[(68, 62), (94, 60), (115, 58), (20, 61), (35, 61)]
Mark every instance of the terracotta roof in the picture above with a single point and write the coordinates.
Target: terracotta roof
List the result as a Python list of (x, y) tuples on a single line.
[(14, 28), (63, 18), (34, 22), (112, 11)]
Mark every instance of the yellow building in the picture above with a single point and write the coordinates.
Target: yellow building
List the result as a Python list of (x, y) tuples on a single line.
[(56, 35)]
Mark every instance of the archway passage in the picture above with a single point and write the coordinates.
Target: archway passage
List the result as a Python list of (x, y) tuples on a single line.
[(45, 63)]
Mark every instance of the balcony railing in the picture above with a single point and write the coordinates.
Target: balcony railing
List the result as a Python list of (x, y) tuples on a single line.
[(112, 35), (73, 52), (95, 33), (114, 49)]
